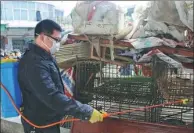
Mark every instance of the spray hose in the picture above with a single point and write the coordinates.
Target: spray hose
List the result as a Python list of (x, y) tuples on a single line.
[(105, 115)]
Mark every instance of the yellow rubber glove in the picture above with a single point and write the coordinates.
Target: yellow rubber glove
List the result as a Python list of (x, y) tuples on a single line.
[(96, 116), (185, 101)]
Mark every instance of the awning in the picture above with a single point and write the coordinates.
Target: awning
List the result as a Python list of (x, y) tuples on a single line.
[(3, 27), (20, 24)]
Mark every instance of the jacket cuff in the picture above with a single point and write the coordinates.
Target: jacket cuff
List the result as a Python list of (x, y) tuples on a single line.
[(87, 114)]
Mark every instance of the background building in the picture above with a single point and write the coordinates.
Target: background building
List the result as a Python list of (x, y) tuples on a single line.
[(18, 19), (26, 10)]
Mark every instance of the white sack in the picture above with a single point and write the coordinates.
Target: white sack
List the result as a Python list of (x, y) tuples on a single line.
[(164, 11), (140, 13), (153, 28), (185, 11), (177, 16), (108, 18)]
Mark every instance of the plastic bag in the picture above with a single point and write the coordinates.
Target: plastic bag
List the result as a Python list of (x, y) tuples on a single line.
[(141, 43), (69, 80), (185, 11), (161, 28), (168, 12), (164, 11), (140, 13), (153, 28), (169, 60), (147, 58), (68, 77)]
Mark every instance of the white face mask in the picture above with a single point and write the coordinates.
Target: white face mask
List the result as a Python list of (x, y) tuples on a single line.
[(54, 48), (58, 46)]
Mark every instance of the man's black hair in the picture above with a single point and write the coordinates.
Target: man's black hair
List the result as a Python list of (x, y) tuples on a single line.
[(46, 26)]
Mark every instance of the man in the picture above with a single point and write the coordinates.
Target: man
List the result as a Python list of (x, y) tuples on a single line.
[(41, 84)]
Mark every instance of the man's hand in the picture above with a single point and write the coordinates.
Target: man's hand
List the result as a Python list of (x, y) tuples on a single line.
[(96, 116)]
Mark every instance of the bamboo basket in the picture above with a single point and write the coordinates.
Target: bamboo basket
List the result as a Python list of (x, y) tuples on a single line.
[(68, 54)]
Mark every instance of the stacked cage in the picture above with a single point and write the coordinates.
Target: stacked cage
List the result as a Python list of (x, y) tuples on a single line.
[(107, 87), (174, 84), (113, 89)]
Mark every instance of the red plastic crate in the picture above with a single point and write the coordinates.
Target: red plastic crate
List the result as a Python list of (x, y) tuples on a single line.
[(111, 125)]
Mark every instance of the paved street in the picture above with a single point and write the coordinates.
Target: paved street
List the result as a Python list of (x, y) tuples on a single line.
[(14, 127)]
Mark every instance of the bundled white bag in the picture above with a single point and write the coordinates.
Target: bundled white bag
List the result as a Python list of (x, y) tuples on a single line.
[(97, 17), (164, 11), (153, 28), (177, 14), (185, 10)]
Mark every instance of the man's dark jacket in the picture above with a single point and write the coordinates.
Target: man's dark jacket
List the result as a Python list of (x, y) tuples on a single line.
[(43, 91)]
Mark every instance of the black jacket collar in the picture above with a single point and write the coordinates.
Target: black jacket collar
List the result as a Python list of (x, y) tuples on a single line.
[(40, 51)]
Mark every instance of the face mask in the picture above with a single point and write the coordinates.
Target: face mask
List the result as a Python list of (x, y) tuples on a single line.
[(54, 48), (58, 46)]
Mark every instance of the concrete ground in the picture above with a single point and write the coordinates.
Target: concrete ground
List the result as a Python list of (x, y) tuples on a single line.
[(15, 126)]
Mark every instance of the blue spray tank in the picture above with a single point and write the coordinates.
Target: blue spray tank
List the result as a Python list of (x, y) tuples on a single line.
[(10, 81)]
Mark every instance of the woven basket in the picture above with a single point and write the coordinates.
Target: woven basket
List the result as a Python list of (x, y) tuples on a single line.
[(68, 54)]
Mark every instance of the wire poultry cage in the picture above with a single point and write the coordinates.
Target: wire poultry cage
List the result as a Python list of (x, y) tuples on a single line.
[(107, 87), (85, 78), (113, 88), (174, 82)]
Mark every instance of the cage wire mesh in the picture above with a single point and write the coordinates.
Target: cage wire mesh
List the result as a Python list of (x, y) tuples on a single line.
[(66, 24), (174, 84), (67, 125), (107, 87), (113, 88)]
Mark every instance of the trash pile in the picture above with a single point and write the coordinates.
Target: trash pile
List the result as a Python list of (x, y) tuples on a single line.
[(161, 28), (164, 29), (160, 23)]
